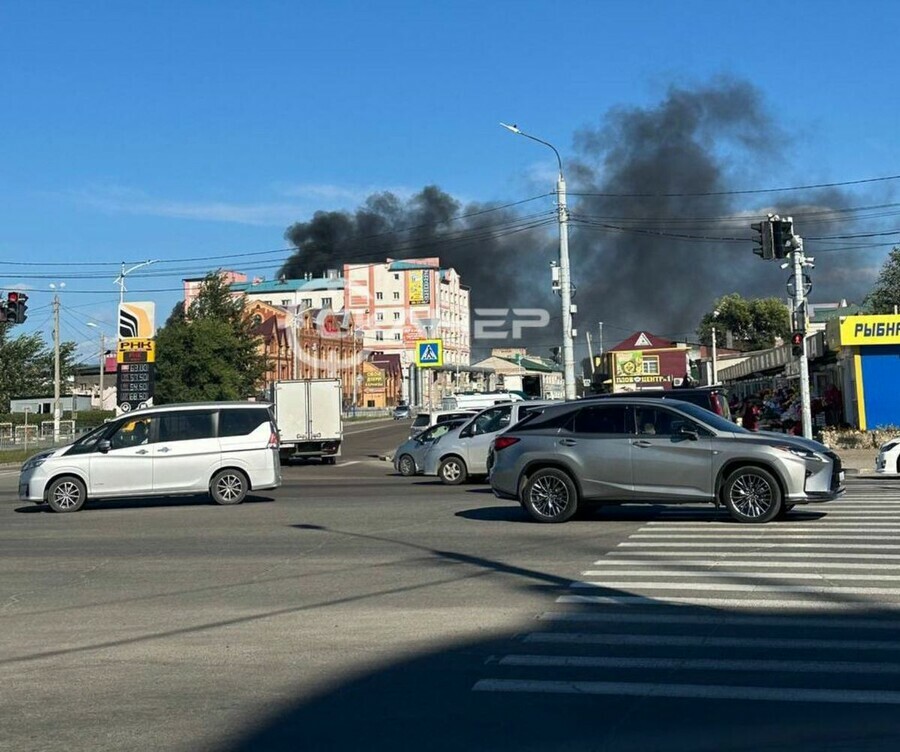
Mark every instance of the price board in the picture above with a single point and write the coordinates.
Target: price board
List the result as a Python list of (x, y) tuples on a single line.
[(134, 385)]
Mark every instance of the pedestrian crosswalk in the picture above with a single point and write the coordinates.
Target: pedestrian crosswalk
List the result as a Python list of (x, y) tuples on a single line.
[(693, 605)]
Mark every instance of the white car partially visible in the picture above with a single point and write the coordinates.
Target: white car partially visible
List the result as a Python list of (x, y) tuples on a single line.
[(888, 460)]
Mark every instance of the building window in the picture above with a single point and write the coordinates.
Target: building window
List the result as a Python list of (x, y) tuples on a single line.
[(326, 302), (379, 316), (379, 296), (397, 276), (396, 315), (285, 301), (650, 365), (306, 303), (396, 296), (379, 336), (397, 336)]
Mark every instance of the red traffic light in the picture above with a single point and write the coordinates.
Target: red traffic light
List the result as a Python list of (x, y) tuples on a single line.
[(797, 338), (12, 297)]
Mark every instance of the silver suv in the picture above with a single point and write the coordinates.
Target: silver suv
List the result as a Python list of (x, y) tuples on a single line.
[(641, 450), (465, 451)]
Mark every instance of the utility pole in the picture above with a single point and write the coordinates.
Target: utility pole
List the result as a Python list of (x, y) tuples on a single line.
[(120, 280), (800, 262), (715, 369), (565, 277), (587, 336), (102, 364), (56, 385)]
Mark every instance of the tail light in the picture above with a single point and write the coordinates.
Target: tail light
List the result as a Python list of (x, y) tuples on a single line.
[(716, 404), (274, 441), (501, 442)]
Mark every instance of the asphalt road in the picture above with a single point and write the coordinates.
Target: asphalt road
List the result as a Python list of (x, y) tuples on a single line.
[(355, 609)]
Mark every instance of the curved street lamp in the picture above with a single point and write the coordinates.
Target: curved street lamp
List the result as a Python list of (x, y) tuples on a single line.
[(565, 277)]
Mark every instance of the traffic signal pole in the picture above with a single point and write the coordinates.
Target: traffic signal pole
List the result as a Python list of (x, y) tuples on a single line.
[(800, 309)]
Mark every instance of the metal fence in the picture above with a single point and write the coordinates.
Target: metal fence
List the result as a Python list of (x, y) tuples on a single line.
[(369, 412)]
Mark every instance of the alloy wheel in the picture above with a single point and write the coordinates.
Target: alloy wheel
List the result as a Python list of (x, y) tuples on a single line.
[(67, 495), (751, 495), (549, 496), (230, 487)]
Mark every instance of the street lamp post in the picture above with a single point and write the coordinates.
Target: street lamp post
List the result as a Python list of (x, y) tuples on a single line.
[(102, 357), (565, 281)]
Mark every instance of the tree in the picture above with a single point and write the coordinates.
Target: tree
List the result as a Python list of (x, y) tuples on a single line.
[(26, 365), (753, 324), (886, 292), (209, 352)]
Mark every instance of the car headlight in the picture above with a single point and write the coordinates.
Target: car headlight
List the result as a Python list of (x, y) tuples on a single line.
[(806, 454), (33, 463)]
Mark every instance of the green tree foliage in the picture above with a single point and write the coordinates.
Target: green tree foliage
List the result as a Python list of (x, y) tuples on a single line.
[(26, 365), (209, 352), (886, 292), (754, 324)]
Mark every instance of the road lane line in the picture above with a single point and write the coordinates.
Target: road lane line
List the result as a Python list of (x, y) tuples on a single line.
[(773, 535), (701, 664), (738, 587), (719, 563), (712, 544), (692, 691), (741, 620), (766, 603), (663, 556), (731, 575), (705, 641)]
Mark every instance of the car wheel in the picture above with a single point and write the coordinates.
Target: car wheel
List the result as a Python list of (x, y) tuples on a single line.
[(752, 494), (550, 496), (452, 471), (228, 487), (406, 465), (66, 494)]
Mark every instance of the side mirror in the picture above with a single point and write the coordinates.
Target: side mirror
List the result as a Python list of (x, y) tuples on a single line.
[(104, 446)]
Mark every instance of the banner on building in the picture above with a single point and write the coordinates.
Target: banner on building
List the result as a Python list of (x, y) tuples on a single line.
[(419, 287), (629, 364), (375, 379), (136, 350), (137, 320)]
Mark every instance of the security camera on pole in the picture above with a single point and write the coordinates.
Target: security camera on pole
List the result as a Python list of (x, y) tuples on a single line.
[(777, 241)]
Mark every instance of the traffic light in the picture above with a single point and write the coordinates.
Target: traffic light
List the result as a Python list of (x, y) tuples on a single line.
[(16, 307), (763, 245), (782, 237), (797, 344)]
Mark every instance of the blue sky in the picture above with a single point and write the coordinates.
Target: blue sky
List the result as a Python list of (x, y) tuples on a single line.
[(173, 130)]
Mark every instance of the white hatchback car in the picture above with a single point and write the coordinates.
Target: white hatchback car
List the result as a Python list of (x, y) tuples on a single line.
[(888, 460), (224, 449)]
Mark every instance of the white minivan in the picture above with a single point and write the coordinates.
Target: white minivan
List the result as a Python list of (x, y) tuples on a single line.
[(224, 449)]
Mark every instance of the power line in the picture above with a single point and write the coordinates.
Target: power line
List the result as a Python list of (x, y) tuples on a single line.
[(842, 183)]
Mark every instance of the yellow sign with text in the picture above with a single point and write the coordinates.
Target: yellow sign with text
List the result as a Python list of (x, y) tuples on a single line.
[(870, 330), (136, 350)]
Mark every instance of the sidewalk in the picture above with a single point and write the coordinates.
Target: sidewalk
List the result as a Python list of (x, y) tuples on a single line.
[(858, 461)]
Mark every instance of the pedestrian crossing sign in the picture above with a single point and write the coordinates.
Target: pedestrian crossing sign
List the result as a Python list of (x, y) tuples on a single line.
[(429, 353)]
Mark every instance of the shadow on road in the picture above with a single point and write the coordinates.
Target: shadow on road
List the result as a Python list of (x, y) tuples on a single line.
[(146, 503)]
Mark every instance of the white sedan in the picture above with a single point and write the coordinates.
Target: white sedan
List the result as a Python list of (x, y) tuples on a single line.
[(888, 460)]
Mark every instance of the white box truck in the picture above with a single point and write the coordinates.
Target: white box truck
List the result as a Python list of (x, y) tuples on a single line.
[(308, 414)]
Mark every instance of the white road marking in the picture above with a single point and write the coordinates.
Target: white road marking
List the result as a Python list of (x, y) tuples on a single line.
[(766, 603), (761, 544), (693, 691), (739, 588), (705, 641), (664, 556), (742, 620), (773, 535), (701, 664), (721, 563), (732, 575)]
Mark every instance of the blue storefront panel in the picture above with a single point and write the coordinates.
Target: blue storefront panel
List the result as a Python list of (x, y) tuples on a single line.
[(881, 384)]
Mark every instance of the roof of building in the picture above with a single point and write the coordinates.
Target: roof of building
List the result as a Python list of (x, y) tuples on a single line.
[(643, 341), (289, 285), (822, 313), (405, 266), (533, 363)]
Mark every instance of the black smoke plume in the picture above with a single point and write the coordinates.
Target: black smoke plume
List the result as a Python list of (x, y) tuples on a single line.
[(660, 226)]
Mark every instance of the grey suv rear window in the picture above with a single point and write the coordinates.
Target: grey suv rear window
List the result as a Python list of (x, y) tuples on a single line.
[(241, 421)]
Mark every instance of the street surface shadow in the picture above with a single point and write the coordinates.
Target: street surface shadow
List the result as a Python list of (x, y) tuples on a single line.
[(144, 503), (522, 690), (495, 514)]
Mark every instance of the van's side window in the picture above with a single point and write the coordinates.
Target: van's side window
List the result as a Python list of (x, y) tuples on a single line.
[(131, 433), (186, 425), (241, 422)]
